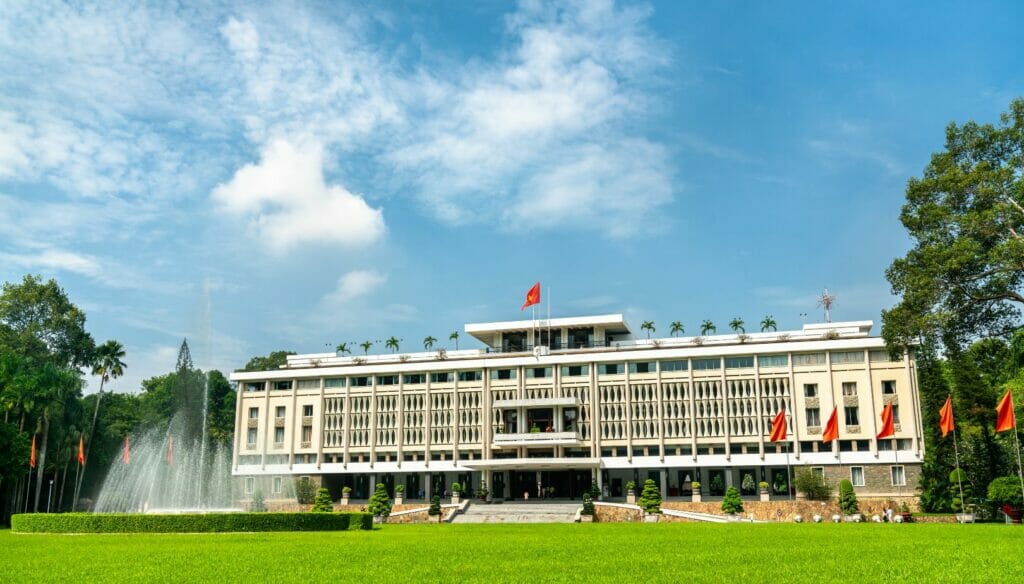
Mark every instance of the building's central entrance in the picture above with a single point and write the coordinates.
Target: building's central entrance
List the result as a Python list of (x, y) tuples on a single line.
[(548, 484)]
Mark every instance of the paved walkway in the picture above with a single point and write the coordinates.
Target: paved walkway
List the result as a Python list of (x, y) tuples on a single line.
[(514, 512)]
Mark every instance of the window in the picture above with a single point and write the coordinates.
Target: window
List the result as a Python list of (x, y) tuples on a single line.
[(810, 390), (575, 370), (773, 360), (857, 476), (538, 372), (387, 380), (850, 388), (307, 433), (704, 364), (739, 362), (309, 384), (889, 387), (841, 357), (307, 410), (415, 379), (279, 412), (674, 365), (443, 377), (610, 369), (503, 373), (254, 413), (813, 416), (809, 359), (852, 415), (879, 356), (276, 486), (895, 414), (643, 367), (899, 478), (470, 376), (278, 435), (250, 439), (254, 386), (819, 471), (250, 485), (336, 382), (360, 381), (282, 385)]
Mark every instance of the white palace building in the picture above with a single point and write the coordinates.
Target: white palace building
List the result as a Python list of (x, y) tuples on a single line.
[(549, 406)]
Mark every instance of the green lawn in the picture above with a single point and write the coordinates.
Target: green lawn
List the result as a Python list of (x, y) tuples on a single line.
[(530, 553)]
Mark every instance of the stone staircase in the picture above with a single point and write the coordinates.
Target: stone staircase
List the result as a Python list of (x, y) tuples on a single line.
[(519, 512)]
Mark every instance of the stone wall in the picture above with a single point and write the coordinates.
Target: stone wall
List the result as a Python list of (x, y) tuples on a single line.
[(608, 514), (786, 510)]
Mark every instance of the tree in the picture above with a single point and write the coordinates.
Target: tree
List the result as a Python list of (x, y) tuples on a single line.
[(323, 502), (848, 498), (650, 498), (57, 386), (957, 478), (366, 345), (676, 328), (648, 326), (108, 364), (380, 502), (1006, 491), (707, 327), (588, 505), (258, 504), (812, 485), (736, 325), (392, 343), (428, 343), (343, 349), (42, 323), (304, 491), (220, 421), (768, 323), (271, 362), (454, 337), (965, 215), (732, 502), (435, 507)]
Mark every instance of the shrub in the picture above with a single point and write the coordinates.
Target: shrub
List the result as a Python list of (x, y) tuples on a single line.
[(650, 498), (763, 485), (588, 505), (399, 490), (748, 483), (630, 486), (380, 503), (346, 491), (435, 507), (323, 502), (695, 485), (305, 491), (594, 491), (813, 485), (732, 503), (187, 523), (717, 484), (456, 488), (482, 491), (848, 498), (1006, 491), (956, 478), (257, 505)]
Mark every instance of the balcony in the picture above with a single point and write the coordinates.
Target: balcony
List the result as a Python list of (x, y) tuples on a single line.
[(540, 401), (537, 439), (254, 423)]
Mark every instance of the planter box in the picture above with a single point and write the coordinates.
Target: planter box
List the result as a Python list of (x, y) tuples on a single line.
[(965, 517), (696, 497), (586, 518), (765, 497), (455, 499), (398, 499), (344, 500), (631, 498), (651, 517)]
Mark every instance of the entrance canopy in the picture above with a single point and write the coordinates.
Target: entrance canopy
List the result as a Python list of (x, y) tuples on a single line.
[(531, 463)]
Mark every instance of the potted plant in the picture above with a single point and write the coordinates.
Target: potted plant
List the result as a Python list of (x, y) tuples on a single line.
[(905, 514), (732, 503), (346, 492), (399, 494), (435, 508), (650, 501), (456, 493), (695, 486), (587, 513), (763, 485), (482, 493), (380, 504), (630, 493)]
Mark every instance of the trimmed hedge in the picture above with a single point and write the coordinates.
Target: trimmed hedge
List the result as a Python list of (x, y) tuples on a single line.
[(187, 523)]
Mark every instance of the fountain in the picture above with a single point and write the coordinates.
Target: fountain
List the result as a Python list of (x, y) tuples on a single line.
[(174, 468)]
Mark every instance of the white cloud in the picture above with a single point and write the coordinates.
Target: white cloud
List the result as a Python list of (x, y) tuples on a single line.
[(55, 259), (288, 202), (353, 285)]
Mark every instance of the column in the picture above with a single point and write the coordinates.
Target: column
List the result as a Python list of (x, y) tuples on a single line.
[(240, 432), (663, 475)]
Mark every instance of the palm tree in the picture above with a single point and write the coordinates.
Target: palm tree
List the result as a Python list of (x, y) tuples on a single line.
[(736, 325), (108, 365), (58, 386), (428, 343), (454, 337), (366, 346), (392, 344), (343, 348), (648, 326), (707, 327), (676, 328), (768, 323)]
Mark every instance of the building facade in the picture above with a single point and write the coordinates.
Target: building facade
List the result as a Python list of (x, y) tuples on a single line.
[(547, 407)]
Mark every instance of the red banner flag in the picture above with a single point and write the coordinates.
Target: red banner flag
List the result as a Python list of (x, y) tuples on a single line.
[(32, 455), (946, 417), (831, 427), (779, 427), (126, 457), (532, 297), (1005, 420), (170, 450), (888, 428), (81, 450)]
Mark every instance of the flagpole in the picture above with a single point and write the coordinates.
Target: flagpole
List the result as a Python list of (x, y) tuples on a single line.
[(78, 470), (896, 452), (959, 480), (789, 473), (1020, 469)]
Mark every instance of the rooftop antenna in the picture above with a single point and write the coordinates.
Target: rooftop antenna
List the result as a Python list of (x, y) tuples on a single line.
[(826, 301)]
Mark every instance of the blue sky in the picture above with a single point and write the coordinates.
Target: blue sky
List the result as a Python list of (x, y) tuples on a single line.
[(258, 178)]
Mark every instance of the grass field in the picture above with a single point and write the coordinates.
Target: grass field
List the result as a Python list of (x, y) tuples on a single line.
[(620, 552)]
